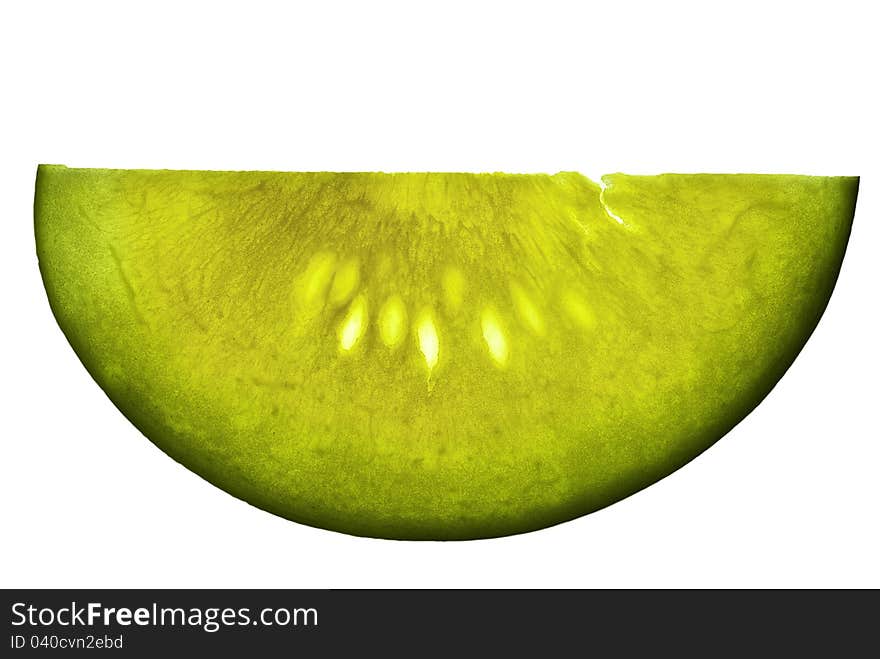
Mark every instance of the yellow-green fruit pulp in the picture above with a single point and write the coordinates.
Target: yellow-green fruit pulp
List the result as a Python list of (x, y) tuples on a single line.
[(436, 355)]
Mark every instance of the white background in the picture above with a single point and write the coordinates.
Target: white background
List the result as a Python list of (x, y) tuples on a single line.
[(789, 498)]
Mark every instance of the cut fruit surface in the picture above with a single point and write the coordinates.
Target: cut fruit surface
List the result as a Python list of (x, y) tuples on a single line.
[(436, 356)]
